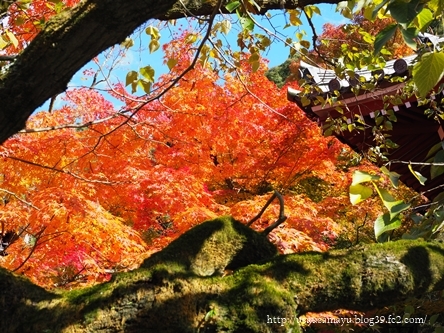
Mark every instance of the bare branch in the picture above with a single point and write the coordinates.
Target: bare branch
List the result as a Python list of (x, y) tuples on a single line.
[(281, 218), (7, 57), (19, 199), (416, 163), (72, 174), (315, 39)]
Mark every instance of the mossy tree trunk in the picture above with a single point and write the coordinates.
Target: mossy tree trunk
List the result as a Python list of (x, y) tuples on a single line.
[(166, 295)]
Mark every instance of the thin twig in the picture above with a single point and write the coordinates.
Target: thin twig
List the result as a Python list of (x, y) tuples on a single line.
[(38, 236), (416, 163), (315, 39), (72, 174), (19, 199)]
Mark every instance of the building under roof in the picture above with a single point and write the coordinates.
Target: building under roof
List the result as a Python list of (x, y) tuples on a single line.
[(413, 132)]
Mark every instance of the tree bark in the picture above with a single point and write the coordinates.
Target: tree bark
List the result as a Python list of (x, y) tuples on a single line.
[(73, 38), (165, 295)]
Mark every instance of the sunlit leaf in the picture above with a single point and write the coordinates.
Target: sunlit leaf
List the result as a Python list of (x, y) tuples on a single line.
[(294, 18), (226, 26), (145, 85), (393, 176), (417, 175), (359, 193), (428, 72), (423, 19), (131, 77), (12, 38), (247, 23), (127, 43), (148, 73), (154, 45), (383, 224), (362, 176), (232, 5), (153, 32)]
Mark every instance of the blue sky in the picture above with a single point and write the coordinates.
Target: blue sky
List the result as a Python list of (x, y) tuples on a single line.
[(134, 59)]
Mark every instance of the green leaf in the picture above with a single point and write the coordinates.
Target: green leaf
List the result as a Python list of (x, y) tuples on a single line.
[(344, 8), (433, 319), (436, 6), (171, 63), (131, 77), (148, 73), (231, 6), (24, 4), (153, 32), (134, 85), (210, 314), (310, 10), (398, 208), (393, 176), (3, 43), (265, 41), (12, 38), (246, 23), (384, 36), (436, 170), (404, 11), (154, 45), (409, 309), (294, 18), (191, 38), (254, 57), (359, 193), (383, 224), (409, 36), (255, 66), (145, 85), (395, 207), (361, 177), (439, 329), (435, 149), (417, 175), (226, 26), (305, 101), (370, 12), (127, 43), (423, 19), (428, 71)]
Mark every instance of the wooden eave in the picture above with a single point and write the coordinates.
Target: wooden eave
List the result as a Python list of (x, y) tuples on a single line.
[(414, 132)]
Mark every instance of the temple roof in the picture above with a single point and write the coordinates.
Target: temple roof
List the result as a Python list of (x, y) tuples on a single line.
[(413, 132)]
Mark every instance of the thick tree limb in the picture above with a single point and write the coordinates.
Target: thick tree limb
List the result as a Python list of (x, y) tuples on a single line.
[(166, 296), (73, 38)]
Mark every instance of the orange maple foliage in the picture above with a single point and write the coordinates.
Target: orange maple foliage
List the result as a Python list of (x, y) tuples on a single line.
[(334, 36), (93, 199), (25, 19)]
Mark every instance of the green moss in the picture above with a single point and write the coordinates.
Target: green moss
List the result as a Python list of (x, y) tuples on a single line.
[(213, 246)]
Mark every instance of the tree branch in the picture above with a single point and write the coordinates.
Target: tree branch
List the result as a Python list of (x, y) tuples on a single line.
[(72, 38), (166, 297)]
